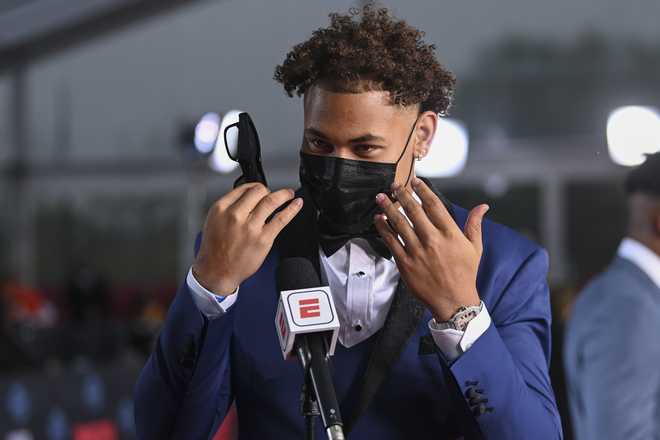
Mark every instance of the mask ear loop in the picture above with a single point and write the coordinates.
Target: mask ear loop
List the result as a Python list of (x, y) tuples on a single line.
[(412, 162)]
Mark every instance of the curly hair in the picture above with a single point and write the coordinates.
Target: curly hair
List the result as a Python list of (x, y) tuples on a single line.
[(376, 52)]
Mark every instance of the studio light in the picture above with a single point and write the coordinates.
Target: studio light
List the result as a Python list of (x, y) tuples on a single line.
[(633, 131), (206, 132), (449, 150), (220, 161)]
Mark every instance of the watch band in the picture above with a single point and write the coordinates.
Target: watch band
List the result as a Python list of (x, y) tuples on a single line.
[(462, 317)]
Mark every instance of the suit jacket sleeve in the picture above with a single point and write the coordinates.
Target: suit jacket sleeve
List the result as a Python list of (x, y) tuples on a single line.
[(503, 378), (184, 391)]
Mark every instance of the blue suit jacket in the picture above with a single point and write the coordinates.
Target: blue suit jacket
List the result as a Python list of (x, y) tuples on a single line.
[(612, 356), (200, 366)]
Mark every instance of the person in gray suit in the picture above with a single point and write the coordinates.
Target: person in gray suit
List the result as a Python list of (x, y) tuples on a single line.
[(612, 342)]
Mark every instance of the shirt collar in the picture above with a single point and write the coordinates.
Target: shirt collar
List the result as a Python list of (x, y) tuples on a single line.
[(643, 257)]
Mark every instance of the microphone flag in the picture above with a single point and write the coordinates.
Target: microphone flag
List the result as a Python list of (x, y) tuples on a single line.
[(303, 311)]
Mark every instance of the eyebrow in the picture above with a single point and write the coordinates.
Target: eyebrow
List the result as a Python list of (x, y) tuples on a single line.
[(364, 138)]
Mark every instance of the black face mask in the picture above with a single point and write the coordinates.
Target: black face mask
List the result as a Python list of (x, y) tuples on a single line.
[(344, 191)]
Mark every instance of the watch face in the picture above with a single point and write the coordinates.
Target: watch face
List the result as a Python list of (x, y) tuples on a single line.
[(464, 315)]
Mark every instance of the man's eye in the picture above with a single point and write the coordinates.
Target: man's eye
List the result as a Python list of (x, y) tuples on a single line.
[(363, 149), (318, 143)]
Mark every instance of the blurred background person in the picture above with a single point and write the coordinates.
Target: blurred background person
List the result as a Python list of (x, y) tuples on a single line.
[(611, 352)]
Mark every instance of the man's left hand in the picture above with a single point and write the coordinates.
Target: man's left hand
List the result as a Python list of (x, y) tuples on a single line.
[(437, 260)]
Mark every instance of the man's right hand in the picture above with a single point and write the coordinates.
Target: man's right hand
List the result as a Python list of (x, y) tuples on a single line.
[(236, 237)]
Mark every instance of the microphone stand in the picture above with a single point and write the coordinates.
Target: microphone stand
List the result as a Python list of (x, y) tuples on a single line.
[(309, 407)]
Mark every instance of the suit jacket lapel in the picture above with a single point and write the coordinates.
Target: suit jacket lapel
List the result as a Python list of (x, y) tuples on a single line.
[(402, 320)]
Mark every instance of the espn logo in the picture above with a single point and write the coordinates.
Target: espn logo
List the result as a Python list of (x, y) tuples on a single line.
[(304, 311), (309, 308)]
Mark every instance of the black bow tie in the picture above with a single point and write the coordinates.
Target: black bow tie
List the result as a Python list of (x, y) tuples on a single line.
[(331, 243)]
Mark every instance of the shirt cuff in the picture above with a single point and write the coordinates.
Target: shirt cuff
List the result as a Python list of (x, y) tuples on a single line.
[(210, 304), (454, 343)]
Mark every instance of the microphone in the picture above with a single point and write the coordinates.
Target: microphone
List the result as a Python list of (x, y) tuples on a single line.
[(307, 323)]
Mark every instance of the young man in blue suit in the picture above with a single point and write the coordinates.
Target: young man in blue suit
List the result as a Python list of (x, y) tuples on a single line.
[(452, 309)]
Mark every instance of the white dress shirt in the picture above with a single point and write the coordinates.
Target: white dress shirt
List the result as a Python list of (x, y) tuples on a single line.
[(363, 285), (643, 257)]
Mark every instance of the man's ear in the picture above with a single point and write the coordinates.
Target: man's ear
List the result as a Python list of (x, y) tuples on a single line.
[(426, 127)]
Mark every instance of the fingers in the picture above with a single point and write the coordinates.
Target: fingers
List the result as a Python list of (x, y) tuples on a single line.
[(282, 218), (398, 221), (422, 225), (270, 203), (232, 196), (249, 199), (390, 238), (473, 226), (433, 206)]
